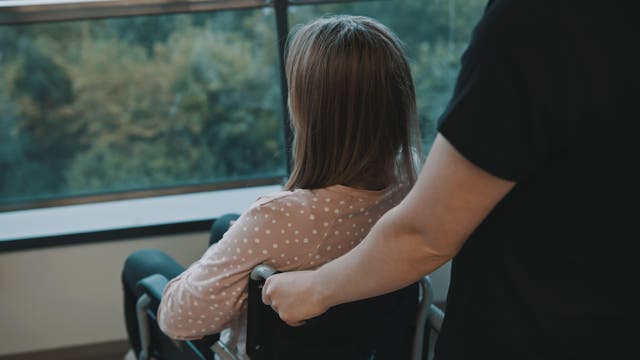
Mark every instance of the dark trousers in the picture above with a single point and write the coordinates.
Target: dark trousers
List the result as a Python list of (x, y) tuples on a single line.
[(143, 263), (139, 265)]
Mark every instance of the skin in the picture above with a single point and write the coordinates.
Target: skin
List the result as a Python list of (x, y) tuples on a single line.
[(450, 199)]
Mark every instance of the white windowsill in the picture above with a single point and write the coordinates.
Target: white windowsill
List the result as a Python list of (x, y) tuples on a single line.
[(125, 214)]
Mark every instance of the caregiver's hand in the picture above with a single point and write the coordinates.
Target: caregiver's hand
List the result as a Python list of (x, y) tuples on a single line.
[(294, 296)]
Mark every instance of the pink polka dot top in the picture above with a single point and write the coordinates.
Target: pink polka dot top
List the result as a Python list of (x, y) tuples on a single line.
[(288, 230)]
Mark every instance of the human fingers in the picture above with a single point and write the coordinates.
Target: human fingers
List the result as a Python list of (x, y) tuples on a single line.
[(267, 291), (296, 324), (294, 296), (266, 295)]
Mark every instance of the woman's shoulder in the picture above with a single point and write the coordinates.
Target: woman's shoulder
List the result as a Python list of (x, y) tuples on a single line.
[(304, 202), (284, 198), (286, 203), (361, 195), (300, 199)]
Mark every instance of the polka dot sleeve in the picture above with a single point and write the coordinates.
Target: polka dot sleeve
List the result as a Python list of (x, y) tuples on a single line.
[(212, 292)]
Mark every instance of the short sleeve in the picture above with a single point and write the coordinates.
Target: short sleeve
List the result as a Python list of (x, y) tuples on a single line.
[(490, 119)]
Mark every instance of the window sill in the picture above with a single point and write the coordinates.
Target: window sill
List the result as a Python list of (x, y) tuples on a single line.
[(114, 220)]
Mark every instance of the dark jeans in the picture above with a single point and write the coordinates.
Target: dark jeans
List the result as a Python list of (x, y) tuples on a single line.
[(143, 263), (139, 265)]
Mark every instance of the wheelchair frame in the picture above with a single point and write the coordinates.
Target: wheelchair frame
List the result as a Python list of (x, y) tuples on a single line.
[(429, 317)]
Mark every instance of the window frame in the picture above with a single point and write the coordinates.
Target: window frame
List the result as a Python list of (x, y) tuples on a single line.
[(14, 12)]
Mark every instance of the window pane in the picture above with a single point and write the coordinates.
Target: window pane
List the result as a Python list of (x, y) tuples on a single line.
[(145, 102), (435, 34)]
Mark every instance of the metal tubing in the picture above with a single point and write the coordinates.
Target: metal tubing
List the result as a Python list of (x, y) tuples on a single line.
[(143, 326)]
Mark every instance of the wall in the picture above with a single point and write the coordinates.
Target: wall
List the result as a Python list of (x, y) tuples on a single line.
[(71, 295)]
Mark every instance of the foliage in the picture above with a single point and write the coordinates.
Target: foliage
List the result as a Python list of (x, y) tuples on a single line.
[(154, 101)]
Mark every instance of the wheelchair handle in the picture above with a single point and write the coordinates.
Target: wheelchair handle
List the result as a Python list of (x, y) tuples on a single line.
[(262, 272)]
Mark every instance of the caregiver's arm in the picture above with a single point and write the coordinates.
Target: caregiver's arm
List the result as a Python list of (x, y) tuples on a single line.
[(450, 199)]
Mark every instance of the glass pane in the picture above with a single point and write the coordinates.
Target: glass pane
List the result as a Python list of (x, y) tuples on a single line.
[(146, 102), (435, 34)]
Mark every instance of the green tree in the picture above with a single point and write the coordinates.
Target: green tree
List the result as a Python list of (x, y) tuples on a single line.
[(177, 99), (435, 33)]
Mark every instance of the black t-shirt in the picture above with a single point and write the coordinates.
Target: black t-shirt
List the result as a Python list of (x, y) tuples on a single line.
[(549, 97)]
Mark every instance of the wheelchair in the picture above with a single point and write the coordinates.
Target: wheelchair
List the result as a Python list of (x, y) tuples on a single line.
[(400, 325)]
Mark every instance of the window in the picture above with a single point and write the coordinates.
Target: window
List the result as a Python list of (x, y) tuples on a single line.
[(435, 34), (137, 103), (103, 100)]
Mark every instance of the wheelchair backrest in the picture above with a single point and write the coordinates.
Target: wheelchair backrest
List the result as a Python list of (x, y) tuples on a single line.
[(380, 328)]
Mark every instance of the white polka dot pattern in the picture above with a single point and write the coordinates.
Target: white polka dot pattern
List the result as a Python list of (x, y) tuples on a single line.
[(286, 230)]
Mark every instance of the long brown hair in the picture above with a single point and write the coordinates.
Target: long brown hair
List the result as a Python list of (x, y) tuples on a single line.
[(352, 105)]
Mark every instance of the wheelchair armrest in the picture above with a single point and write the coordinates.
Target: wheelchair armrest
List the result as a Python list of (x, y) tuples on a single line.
[(153, 285)]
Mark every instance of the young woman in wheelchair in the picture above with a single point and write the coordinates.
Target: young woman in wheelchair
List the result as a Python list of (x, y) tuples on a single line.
[(356, 148)]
